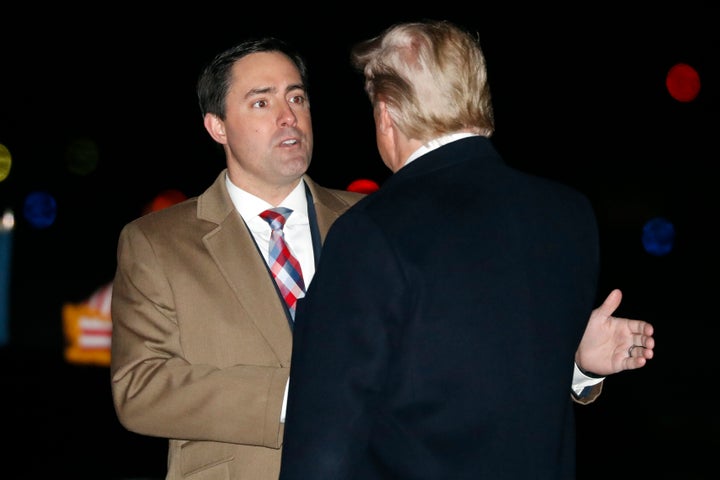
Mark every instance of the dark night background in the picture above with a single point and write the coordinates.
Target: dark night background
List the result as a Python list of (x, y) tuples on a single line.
[(578, 96)]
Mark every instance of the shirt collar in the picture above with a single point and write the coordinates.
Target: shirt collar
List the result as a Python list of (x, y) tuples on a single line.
[(437, 143), (249, 206)]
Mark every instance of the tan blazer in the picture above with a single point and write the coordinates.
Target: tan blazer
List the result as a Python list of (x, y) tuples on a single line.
[(201, 345)]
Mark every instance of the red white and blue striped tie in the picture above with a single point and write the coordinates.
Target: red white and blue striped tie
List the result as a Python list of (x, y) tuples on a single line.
[(283, 265)]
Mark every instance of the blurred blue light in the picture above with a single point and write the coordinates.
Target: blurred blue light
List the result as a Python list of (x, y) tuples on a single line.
[(658, 236), (40, 209)]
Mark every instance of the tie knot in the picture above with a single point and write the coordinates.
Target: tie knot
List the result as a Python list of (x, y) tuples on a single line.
[(276, 217)]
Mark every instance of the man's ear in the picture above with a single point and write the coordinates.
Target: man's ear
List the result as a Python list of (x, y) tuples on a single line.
[(382, 117), (215, 127)]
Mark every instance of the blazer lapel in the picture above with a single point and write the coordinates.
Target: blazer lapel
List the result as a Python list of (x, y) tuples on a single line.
[(327, 207), (236, 256), (232, 247)]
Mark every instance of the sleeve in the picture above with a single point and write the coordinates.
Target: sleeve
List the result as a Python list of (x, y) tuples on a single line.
[(156, 390), (585, 389)]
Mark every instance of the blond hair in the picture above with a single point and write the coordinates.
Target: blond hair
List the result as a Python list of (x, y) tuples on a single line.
[(433, 77)]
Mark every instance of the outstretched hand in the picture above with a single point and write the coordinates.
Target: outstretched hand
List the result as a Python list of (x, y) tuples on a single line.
[(614, 344)]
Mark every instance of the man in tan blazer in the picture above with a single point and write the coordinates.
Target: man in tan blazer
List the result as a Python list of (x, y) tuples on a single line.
[(201, 340)]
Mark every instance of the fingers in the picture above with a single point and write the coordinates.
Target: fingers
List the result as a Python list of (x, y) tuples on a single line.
[(648, 329), (642, 335), (632, 348), (635, 357), (639, 339), (635, 362), (639, 352), (648, 351)]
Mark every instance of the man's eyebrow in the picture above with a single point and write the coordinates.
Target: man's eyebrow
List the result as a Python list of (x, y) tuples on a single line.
[(263, 90), (295, 86), (260, 91)]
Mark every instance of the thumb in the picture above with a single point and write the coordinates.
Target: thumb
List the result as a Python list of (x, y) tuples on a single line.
[(611, 303)]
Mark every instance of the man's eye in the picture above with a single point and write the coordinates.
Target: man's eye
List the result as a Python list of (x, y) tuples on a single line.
[(259, 104), (299, 99)]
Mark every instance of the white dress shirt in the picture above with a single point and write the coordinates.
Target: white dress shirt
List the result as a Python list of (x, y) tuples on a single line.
[(297, 226), (296, 230)]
